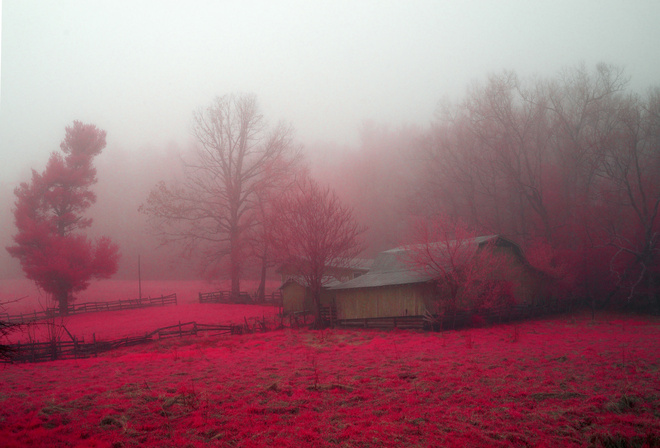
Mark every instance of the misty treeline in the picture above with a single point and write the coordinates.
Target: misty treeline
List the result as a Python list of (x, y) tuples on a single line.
[(568, 167)]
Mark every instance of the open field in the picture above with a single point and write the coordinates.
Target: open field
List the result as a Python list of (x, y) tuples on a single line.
[(118, 324), (107, 290), (137, 322), (556, 382)]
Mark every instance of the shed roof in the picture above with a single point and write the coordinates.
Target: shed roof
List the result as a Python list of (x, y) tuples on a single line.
[(391, 267), (352, 265), (328, 282)]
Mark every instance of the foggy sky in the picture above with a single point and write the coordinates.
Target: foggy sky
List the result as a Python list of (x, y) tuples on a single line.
[(138, 69)]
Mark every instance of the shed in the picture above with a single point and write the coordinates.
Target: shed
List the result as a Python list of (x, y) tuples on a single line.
[(296, 295), (393, 288)]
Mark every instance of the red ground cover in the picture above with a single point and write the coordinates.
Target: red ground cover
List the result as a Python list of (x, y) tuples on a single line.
[(558, 382), (118, 324), (106, 326), (107, 290)]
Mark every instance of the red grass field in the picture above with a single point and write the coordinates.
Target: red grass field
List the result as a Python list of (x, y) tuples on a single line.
[(107, 290), (118, 324), (557, 382)]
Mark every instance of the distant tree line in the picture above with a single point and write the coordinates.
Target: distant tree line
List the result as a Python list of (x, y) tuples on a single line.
[(567, 167)]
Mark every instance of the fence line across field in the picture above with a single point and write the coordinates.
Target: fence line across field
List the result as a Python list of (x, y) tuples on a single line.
[(76, 349), (274, 298), (58, 349), (450, 321), (91, 307)]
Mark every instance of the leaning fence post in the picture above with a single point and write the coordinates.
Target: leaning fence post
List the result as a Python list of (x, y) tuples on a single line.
[(96, 354)]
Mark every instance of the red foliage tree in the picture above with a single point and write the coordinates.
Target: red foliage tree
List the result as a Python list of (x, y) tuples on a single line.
[(469, 274), (312, 232), (48, 215)]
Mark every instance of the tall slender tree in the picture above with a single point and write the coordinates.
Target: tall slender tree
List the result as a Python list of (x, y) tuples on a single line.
[(49, 217)]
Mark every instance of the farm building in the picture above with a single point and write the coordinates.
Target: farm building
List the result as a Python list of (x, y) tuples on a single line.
[(394, 287), (296, 295)]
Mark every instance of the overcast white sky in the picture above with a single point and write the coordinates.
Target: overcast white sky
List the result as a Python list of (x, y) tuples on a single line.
[(139, 68)]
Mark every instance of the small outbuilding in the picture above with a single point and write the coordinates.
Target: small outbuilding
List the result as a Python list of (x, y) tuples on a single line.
[(394, 287), (296, 294)]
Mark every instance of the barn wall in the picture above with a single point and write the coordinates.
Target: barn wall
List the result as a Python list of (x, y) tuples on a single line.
[(528, 283), (327, 297), (294, 298), (383, 301)]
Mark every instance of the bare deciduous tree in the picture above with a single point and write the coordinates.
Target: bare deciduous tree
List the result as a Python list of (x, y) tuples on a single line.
[(630, 172), (215, 205), (312, 232)]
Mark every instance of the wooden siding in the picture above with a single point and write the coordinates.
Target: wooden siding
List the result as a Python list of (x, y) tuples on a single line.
[(416, 299), (527, 282), (384, 301), (295, 298)]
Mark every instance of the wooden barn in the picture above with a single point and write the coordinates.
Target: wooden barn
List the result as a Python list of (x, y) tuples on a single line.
[(392, 288), (296, 295)]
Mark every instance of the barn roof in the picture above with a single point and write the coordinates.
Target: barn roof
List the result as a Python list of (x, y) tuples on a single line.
[(391, 267), (328, 282), (354, 265)]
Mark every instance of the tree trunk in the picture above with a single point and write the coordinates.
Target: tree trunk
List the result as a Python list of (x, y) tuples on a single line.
[(235, 265), (63, 302), (261, 292), (316, 303), (235, 282), (653, 297)]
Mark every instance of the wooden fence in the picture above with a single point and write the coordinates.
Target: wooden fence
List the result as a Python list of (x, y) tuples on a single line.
[(243, 298), (407, 322), (75, 349), (91, 307), (451, 321)]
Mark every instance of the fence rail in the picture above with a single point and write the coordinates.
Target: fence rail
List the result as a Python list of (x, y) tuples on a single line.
[(91, 307), (403, 322), (459, 319), (75, 349)]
